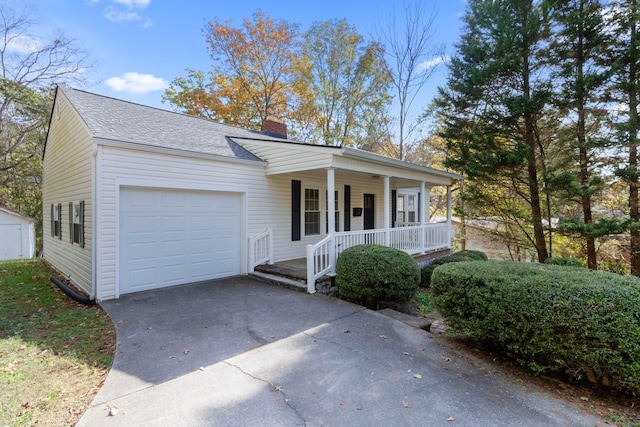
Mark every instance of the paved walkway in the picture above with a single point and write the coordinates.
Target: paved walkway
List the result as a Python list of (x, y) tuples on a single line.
[(238, 352)]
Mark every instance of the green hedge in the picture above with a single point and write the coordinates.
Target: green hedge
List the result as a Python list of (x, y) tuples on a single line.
[(373, 273), (468, 255), (568, 262), (549, 317)]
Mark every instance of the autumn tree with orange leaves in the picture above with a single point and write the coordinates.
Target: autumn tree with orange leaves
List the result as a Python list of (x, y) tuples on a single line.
[(251, 77)]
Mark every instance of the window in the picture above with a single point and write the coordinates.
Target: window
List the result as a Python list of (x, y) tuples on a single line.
[(406, 207), (336, 214), (56, 221), (311, 211), (76, 223)]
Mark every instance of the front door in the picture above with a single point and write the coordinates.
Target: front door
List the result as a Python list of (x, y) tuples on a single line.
[(369, 212)]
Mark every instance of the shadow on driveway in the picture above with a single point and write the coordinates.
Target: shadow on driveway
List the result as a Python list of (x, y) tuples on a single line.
[(238, 352)]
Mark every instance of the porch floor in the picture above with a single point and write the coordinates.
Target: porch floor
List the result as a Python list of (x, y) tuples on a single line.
[(296, 269)]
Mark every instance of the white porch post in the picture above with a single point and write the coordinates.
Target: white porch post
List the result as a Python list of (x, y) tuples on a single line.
[(424, 216), (425, 197), (449, 212), (331, 208), (387, 212)]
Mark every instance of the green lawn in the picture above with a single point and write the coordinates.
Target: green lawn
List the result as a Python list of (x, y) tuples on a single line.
[(54, 353)]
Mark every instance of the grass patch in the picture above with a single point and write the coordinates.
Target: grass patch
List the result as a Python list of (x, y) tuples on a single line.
[(425, 302), (54, 352)]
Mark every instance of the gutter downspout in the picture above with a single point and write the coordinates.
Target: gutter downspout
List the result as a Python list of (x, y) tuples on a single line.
[(96, 158)]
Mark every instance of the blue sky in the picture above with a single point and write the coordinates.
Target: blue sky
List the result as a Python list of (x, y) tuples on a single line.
[(140, 46)]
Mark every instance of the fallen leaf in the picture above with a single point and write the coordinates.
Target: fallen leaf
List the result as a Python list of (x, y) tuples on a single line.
[(451, 419), (359, 408), (384, 337), (406, 404), (417, 376), (185, 351), (201, 368), (584, 398), (446, 359), (276, 388), (346, 331), (121, 321)]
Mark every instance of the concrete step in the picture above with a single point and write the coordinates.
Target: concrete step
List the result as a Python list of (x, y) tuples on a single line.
[(275, 279)]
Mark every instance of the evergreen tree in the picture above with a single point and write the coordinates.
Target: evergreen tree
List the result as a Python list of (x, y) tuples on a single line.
[(497, 91), (624, 60), (576, 52)]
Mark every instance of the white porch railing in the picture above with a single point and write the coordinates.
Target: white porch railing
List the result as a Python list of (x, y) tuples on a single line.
[(319, 262), (261, 249), (411, 239)]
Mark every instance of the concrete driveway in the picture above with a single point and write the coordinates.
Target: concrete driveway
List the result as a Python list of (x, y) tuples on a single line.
[(238, 352)]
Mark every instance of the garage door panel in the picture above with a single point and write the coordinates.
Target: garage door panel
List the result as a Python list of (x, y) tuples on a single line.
[(171, 237)]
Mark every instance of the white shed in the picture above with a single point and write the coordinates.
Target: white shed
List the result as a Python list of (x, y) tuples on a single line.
[(17, 235)]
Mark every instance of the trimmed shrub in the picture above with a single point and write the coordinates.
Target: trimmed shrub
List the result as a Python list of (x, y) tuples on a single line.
[(374, 273), (550, 317), (569, 262), (468, 255)]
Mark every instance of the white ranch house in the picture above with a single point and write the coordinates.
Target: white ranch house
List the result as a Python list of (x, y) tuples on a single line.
[(137, 198)]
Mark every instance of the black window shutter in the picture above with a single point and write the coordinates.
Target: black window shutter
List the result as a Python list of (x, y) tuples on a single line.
[(394, 207), (296, 195), (347, 208), (418, 207), (59, 221), (53, 222), (81, 224), (71, 222)]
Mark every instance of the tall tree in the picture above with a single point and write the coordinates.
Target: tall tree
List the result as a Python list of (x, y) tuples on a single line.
[(413, 57), (252, 75), (577, 53), (29, 68), (497, 91), (624, 23), (349, 80)]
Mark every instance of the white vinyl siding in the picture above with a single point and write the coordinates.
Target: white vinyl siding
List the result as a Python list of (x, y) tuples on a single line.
[(289, 157), (67, 177)]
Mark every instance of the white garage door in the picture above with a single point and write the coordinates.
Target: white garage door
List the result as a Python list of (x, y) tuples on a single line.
[(172, 237)]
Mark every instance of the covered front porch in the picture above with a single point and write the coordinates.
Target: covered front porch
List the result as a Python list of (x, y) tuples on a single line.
[(341, 197)]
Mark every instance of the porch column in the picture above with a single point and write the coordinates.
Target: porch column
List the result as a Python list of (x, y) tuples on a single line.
[(425, 202), (424, 216), (387, 212), (331, 219), (449, 212)]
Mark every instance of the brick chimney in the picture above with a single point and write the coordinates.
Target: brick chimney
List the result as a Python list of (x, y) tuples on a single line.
[(274, 127)]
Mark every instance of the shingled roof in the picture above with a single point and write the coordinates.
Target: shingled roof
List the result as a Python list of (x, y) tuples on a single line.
[(124, 121)]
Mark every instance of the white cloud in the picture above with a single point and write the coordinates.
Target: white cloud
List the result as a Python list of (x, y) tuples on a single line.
[(117, 16), (433, 62), (23, 44), (138, 4), (137, 83)]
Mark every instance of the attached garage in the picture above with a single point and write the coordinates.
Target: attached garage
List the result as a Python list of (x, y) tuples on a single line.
[(170, 237)]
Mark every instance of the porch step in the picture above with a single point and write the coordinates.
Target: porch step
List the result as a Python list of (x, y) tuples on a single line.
[(276, 279)]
